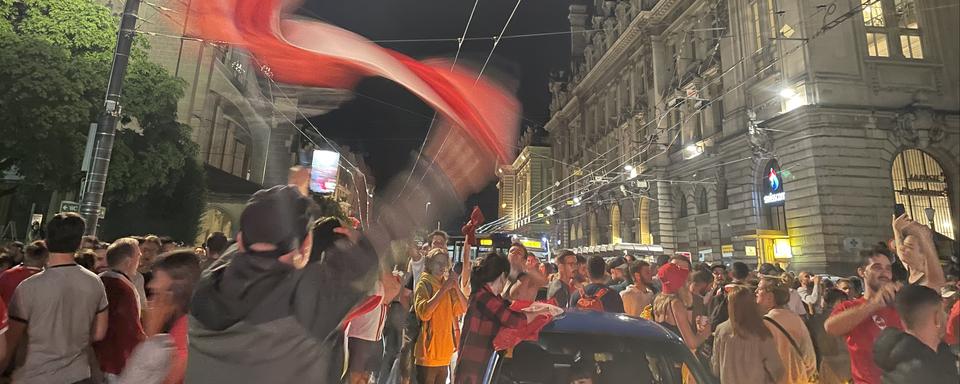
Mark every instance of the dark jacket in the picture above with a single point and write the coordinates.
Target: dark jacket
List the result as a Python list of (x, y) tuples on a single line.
[(904, 359), (257, 320), (611, 300)]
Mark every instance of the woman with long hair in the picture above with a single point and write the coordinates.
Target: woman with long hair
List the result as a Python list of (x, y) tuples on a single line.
[(744, 350), (486, 314), (673, 307)]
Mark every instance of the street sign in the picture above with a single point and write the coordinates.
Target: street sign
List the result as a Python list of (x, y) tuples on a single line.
[(73, 206), (726, 250)]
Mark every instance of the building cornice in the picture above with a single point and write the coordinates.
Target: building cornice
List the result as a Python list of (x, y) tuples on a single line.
[(604, 68)]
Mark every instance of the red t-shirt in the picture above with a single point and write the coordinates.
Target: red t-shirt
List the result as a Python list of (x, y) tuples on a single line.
[(12, 277), (3, 319), (124, 331), (953, 325), (860, 340), (179, 334)]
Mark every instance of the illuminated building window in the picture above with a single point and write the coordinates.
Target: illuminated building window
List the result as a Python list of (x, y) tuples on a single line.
[(772, 24), (891, 22), (877, 44), (911, 46), (755, 13), (921, 186), (873, 13)]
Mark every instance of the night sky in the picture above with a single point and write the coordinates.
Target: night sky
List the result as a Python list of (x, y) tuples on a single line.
[(387, 123)]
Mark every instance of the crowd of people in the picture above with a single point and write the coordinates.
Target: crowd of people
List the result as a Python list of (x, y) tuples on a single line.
[(301, 297)]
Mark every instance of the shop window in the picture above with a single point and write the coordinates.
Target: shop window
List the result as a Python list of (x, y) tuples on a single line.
[(921, 186)]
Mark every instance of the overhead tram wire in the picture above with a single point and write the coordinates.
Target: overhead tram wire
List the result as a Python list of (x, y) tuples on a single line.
[(433, 120), (715, 99), (479, 76), (164, 10), (822, 29), (819, 33), (333, 146)]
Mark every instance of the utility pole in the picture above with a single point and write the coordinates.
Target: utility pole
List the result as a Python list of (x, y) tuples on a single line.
[(106, 129)]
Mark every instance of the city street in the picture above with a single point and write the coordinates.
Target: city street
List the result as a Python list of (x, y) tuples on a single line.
[(499, 191)]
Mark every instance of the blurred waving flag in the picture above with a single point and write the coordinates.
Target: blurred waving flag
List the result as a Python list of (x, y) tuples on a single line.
[(314, 53)]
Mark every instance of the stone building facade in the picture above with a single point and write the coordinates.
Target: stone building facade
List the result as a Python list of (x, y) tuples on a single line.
[(524, 182), (756, 130), (245, 125)]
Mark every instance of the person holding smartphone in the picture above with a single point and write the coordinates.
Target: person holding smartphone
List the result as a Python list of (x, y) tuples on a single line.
[(861, 320), (917, 251), (437, 302)]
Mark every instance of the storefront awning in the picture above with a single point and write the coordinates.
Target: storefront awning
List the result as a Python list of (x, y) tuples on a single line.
[(760, 234), (620, 247)]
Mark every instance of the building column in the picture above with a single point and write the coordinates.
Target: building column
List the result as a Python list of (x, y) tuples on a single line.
[(663, 221)]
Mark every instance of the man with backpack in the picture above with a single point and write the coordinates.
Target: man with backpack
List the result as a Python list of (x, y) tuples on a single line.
[(597, 296)]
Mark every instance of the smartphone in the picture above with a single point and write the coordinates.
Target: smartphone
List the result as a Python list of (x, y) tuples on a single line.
[(899, 210)]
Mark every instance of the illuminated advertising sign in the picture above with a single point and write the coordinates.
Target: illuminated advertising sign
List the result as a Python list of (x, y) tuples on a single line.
[(531, 244), (774, 188), (323, 171)]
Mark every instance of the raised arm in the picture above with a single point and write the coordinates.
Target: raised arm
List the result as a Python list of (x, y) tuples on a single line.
[(692, 338), (424, 304), (841, 323), (467, 266)]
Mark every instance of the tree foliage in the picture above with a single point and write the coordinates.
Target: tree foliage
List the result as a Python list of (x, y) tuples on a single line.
[(56, 56)]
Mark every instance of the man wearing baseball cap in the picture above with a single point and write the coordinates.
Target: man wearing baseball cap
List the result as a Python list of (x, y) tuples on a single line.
[(274, 314)]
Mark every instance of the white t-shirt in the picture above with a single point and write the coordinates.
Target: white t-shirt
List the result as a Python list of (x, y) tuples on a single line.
[(416, 268), (369, 326)]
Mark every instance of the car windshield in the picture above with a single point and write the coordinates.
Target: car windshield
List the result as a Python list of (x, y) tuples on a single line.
[(579, 359)]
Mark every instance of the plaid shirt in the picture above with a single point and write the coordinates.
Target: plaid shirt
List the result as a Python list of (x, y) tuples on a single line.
[(485, 315)]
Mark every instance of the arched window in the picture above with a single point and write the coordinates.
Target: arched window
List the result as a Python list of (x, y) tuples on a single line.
[(615, 237), (702, 206), (721, 195), (921, 186), (594, 231), (682, 205), (644, 227), (773, 197)]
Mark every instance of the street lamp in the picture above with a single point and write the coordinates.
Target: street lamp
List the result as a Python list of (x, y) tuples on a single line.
[(426, 208)]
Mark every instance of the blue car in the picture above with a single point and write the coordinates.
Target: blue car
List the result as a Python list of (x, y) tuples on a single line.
[(582, 347)]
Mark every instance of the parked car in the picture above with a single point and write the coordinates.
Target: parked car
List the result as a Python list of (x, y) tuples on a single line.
[(610, 348)]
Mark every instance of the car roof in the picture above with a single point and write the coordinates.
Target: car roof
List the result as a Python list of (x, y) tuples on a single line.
[(574, 321)]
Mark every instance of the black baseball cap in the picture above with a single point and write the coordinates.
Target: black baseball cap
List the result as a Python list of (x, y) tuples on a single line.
[(616, 262), (279, 215)]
